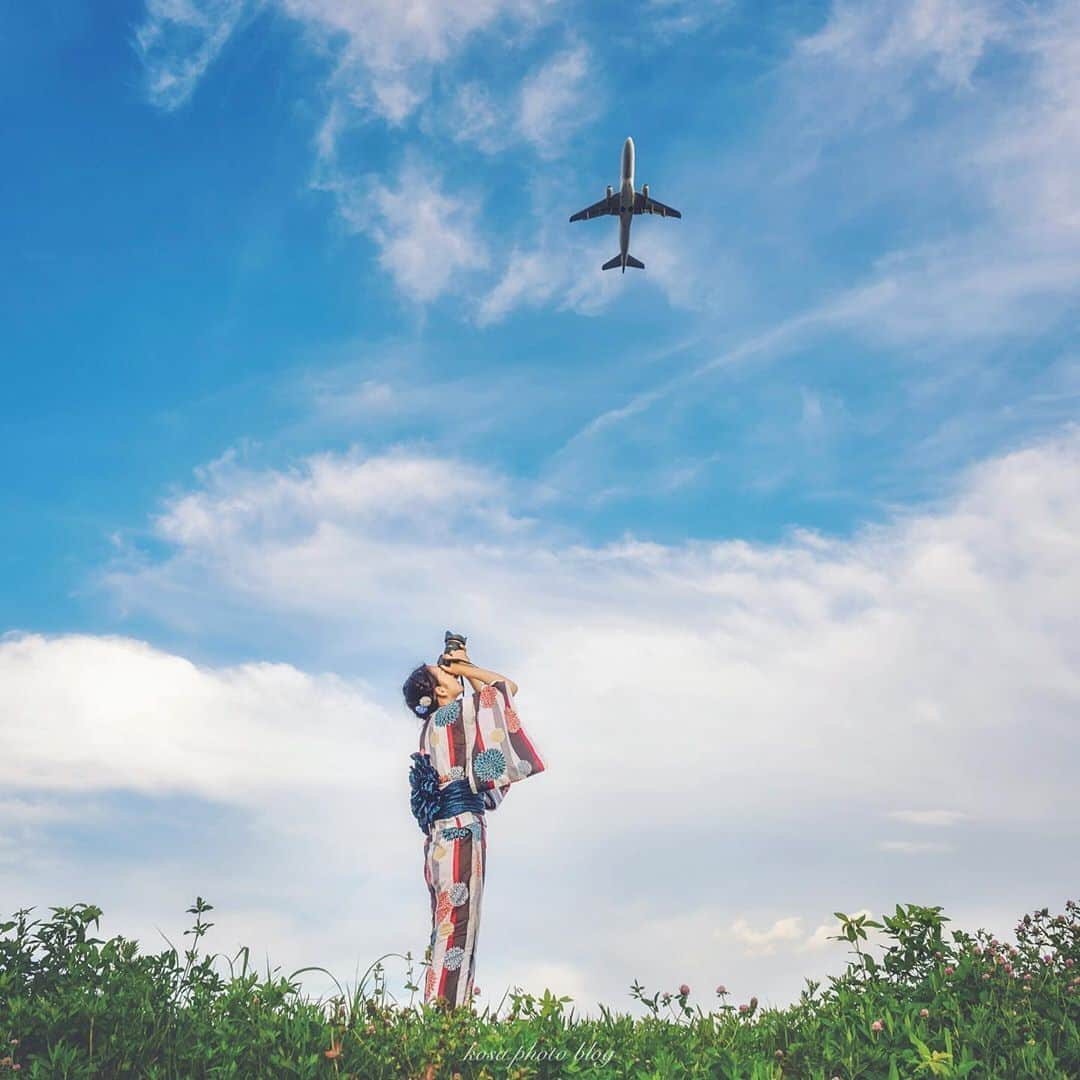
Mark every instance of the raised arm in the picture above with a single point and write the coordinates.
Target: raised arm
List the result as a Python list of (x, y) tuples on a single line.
[(478, 676)]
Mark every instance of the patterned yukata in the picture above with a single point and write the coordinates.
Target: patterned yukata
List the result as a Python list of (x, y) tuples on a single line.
[(477, 737)]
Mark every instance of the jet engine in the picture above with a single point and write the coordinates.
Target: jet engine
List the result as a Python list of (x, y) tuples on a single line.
[(645, 190), (610, 191)]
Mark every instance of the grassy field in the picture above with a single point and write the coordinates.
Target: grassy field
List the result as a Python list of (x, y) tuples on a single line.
[(77, 1006)]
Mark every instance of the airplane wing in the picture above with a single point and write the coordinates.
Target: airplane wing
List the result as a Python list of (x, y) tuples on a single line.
[(651, 206), (604, 206)]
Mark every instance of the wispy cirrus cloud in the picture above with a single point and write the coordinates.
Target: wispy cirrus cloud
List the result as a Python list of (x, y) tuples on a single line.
[(426, 236), (557, 99), (178, 41), (670, 17), (1011, 159), (545, 109), (384, 56), (560, 268), (895, 44), (381, 55), (1004, 269)]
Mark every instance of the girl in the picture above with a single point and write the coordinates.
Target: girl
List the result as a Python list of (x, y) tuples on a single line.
[(472, 748)]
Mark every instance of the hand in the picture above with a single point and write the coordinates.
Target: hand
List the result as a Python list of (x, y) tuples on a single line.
[(453, 659)]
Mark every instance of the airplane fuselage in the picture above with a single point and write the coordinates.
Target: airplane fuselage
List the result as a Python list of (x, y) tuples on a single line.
[(624, 205), (626, 198)]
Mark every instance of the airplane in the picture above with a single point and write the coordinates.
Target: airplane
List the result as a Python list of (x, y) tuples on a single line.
[(625, 204)]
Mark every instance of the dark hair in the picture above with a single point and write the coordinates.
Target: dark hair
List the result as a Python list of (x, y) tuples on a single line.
[(419, 683)]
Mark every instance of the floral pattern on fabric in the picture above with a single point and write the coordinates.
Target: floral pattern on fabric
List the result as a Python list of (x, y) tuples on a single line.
[(499, 743), (455, 832), (449, 712), (489, 765), (513, 722), (442, 910), (477, 738)]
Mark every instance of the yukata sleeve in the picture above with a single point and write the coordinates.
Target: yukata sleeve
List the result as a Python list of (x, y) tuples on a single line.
[(494, 796), (503, 752)]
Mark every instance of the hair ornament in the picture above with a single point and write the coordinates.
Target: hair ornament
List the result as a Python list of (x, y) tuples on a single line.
[(421, 710)]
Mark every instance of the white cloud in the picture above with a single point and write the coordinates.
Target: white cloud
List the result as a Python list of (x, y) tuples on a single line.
[(810, 690), (426, 236), (557, 99), (563, 94), (473, 115), (91, 714), (564, 269), (883, 47), (385, 51), (266, 789), (670, 17), (952, 627), (177, 42), (530, 278), (764, 942), (397, 490), (915, 847), (821, 938), (929, 817), (1011, 158)]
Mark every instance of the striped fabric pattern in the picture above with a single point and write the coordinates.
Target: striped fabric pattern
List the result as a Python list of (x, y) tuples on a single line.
[(487, 746)]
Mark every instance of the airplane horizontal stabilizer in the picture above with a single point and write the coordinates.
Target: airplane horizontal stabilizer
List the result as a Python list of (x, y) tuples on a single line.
[(636, 263), (612, 263)]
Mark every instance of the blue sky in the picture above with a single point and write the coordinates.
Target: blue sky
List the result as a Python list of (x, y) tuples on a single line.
[(304, 364)]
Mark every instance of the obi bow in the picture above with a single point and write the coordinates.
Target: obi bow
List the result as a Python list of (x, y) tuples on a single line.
[(425, 799)]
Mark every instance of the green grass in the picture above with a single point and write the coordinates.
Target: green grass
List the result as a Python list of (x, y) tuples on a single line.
[(76, 1006)]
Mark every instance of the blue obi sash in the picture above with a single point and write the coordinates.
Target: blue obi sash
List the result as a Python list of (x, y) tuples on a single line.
[(429, 803)]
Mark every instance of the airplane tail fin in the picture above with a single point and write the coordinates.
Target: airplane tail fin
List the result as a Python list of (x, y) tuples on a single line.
[(637, 264)]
